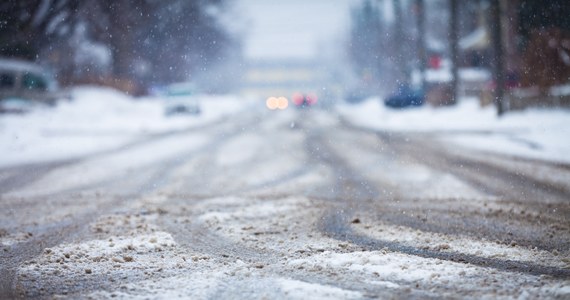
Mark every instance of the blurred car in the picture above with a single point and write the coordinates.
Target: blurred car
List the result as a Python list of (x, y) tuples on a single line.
[(405, 96), (179, 89), (23, 83), (304, 100), (180, 99), (181, 107)]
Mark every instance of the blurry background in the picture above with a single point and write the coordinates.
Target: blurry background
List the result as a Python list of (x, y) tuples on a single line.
[(341, 50)]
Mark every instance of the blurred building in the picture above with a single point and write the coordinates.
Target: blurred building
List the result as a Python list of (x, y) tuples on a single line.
[(266, 78), (537, 52), (536, 46)]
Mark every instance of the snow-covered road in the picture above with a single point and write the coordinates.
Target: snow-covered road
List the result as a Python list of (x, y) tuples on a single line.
[(286, 205)]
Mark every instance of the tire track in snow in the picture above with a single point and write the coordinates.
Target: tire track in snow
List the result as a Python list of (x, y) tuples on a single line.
[(353, 191), (56, 233), (528, 193)]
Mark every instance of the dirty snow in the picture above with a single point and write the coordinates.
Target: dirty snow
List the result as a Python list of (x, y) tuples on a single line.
[(393, 270), (141, 259), (265, 243), (134, 250), (461, 244)]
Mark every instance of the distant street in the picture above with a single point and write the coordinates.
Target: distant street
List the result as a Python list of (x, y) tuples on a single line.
[(294, 204)]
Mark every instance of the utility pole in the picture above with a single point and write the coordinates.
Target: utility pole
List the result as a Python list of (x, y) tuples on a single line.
[(453, 44), (498, 59), (399, 40), (420, 18)]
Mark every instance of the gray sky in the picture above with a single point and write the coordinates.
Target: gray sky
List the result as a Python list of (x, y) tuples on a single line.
[(279, 29)]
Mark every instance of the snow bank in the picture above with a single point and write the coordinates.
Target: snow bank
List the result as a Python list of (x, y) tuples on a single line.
[(97, 119), (534, 133)]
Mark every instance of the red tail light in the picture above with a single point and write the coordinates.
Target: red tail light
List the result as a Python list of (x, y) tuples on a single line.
[(298, 99), (312, 99)]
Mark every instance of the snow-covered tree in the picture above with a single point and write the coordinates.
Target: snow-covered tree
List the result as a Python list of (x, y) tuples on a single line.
[(127, 43)]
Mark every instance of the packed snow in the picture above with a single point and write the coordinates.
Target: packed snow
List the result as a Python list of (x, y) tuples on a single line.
[(137, 247), (537, 133), (98, 119), (264, 242)]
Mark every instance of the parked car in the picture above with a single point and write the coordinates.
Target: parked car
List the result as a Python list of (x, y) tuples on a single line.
[(181, 107), (405, 96), (22, 82), (180, 99)]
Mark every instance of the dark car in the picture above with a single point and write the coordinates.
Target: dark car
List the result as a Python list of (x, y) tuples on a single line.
[(182, 108), (405, 96)]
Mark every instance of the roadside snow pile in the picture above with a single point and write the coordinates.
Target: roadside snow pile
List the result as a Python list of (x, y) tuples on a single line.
[(97, 119), (534, 133)]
